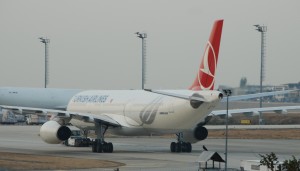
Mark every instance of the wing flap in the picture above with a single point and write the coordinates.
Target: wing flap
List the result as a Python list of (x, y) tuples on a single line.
[(23, 110), (89, 117), (180, 96), (106, 119)]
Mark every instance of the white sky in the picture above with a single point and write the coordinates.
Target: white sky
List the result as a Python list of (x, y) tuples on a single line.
[(93, 45)]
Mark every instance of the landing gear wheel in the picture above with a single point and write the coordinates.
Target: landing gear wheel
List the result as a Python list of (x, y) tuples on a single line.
[(94, 147), (173, 147), (110, 147), (178, 147), (105, 148), (184, 147), (99, 148), (99, 145), (188, 147)]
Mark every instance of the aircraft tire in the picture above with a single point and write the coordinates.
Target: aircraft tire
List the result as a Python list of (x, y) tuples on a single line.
[(178, 147), (188, 147), (173, 147), (184, 147), (110, 147), (105, 147), (181, 147), (99, 148), (94, 147)]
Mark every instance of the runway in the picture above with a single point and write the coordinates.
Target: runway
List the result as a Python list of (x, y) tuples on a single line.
[(146, 153)]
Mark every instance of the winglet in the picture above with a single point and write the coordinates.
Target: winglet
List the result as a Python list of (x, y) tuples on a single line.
[(205, 78)]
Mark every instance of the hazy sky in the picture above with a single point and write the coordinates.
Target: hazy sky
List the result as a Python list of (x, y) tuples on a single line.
[(93, 45)]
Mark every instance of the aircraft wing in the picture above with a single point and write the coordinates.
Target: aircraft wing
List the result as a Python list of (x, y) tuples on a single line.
[(106, 118), (254, 111), (256, 95), (23, 110), (231, 98)]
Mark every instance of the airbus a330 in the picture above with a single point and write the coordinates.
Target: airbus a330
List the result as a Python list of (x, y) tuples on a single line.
[(130, 112)]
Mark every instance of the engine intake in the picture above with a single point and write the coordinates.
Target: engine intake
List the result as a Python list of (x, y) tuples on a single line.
[(198, 134), (221, 96), (53, 133)]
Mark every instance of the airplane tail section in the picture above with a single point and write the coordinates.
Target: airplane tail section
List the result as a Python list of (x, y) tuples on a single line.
[(205, 78)]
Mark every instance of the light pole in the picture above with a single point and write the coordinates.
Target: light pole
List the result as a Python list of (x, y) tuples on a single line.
[(46, 41), (143, 36), (263, 30), (227, 92)]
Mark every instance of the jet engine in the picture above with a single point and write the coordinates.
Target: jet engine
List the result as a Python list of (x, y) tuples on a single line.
[(54, 133), (197, 134)]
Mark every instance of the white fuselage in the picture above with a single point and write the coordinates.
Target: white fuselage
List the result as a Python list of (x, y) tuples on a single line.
[(139, 112), (144, 112), (49, 98)]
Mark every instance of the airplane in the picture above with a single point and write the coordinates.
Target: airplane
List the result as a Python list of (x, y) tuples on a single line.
[(131, 112)]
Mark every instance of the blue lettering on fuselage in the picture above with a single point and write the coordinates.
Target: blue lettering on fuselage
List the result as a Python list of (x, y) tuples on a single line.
[(90, 99)]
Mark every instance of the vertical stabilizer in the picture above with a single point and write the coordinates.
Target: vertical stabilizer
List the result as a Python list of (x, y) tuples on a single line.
[(205, 78)]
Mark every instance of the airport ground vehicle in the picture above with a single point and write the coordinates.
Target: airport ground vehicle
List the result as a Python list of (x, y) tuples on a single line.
[(254, 165), (20, 118), (77, 139), (36, 119), (7, 117)]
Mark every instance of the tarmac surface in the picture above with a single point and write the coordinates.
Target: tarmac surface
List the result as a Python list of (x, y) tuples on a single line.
[(147, 153)]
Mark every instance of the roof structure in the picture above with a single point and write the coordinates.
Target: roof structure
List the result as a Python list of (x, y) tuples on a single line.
[(210, 155)]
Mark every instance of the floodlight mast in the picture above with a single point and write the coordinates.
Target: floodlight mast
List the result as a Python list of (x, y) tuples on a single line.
[(143, 36), (263, 30), (46, 41), (228, 93)]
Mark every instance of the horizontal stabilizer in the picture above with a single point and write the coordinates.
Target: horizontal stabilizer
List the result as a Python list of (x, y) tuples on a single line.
[(180, 96)]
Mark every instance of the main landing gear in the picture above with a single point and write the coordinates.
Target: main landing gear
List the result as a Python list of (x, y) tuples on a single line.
[(99, 145), (180, 146)]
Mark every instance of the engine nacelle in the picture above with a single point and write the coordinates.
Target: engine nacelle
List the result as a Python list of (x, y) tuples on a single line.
[(197, 134), (54, 133)]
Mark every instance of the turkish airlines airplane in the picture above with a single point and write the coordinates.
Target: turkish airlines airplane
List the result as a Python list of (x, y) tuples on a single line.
[(132, 112)]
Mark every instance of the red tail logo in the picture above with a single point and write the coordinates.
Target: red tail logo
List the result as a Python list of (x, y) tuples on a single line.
[(205, 79)]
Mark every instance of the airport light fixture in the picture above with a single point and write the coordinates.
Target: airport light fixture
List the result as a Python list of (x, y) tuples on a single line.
[(262, 30), (228, 93), (46, 41), (143, 36)]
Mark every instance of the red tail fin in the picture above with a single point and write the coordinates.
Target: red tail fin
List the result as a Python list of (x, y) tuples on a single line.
[(205, 79)]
